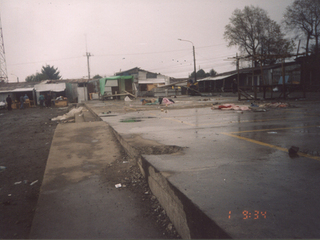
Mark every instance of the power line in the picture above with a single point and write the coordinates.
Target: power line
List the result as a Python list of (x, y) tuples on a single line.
[(55, 60)]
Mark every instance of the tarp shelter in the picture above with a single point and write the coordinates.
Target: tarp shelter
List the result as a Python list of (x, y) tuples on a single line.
[(119, 84), (53, 87), (22, 91), (49, 87)]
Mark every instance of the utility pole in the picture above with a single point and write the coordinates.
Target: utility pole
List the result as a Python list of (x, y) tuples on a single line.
[(88, 56), (238, 78), (3, 64), (194, 59)]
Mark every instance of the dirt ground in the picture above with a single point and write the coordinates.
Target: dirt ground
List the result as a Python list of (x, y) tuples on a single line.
[(26, 137)]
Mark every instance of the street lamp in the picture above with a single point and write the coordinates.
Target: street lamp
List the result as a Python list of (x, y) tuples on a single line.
[(16, 76), (194, 58)]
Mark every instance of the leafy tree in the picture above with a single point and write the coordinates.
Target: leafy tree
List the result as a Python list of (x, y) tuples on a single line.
[(202, 74), (47, 73), (97, 76), (50, 73), (254, 33), (38, 77), (212, 73), (303, 18)]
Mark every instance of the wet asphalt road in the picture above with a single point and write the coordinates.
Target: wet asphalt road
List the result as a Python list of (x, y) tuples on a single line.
[(236, 166)]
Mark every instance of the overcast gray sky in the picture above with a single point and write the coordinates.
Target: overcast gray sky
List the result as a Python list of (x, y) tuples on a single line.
[(120, 35)]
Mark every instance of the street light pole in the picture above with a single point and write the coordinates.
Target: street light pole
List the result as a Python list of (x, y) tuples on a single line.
[(16, 76), (194, 58)]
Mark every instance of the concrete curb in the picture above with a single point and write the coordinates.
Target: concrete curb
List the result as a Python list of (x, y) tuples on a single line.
[(187, 217)]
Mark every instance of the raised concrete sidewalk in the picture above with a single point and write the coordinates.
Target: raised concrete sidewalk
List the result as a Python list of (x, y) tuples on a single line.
[(76, 201), (213, 185)]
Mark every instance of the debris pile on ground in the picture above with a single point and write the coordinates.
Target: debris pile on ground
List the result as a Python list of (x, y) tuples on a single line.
[(155, 101), (253, 107), (125, 173), (231, 107), (68, 115), (275, 105), (166, 101), (127, 99), (256, 108), (293, 151)]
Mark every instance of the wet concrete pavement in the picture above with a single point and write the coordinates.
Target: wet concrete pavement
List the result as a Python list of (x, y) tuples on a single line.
[(77, 199), (235, 166)]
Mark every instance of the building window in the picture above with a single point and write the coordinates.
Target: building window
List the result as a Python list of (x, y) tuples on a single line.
[(151, 75)]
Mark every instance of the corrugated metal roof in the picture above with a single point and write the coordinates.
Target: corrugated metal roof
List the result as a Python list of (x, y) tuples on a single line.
[(69, 81), (118, 77), (11, 86), (216, 78), (152, 81), (22, 90)]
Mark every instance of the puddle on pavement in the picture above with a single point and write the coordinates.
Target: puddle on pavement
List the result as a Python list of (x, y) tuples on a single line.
[(134, 119), (130, 120), (103, 115)]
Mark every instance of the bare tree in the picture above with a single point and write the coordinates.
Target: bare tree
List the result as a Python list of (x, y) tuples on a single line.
[(303, 17), (254, 33)]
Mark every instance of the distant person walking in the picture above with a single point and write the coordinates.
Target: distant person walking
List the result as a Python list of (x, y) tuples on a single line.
[(26, 97), (9, 102), (234, 86), (41, 100), (48, 100), (21, 102)]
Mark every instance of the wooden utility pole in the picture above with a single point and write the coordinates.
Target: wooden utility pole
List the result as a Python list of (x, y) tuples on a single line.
[(283, 80), (238, 78)]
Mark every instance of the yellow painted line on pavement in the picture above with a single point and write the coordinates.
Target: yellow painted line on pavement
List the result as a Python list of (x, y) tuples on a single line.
[(256, 142), (270, 145)]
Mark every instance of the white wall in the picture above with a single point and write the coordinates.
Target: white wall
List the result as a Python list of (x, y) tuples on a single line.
[(82, 94)]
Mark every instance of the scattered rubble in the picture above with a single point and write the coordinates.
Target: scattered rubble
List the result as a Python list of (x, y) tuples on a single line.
[(34, 182), (293, 151), (275, 105), (130, 178), (252, 107), (230, 107)]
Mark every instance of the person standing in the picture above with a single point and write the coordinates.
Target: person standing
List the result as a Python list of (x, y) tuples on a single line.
[(21, 102), (234, 86), (49, 97), (41, 100), (9, 102)]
